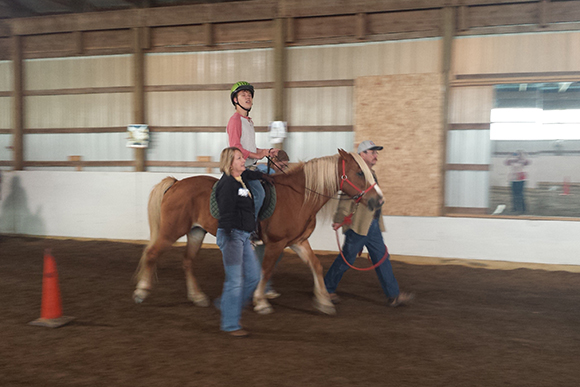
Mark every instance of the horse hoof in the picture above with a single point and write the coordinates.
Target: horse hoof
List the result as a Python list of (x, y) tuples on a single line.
[(324, 308), (139, 295), (200, 300), (264, 309)]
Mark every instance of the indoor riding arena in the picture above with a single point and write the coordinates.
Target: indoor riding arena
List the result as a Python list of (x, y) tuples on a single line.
[(474, 110)]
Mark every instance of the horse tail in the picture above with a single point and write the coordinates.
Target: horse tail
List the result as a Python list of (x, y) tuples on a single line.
[(154, 206), (154, 216)]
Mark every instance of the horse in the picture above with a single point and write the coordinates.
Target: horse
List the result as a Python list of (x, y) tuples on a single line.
[(180, 207)]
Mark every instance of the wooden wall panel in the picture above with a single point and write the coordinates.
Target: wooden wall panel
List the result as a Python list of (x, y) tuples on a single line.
[(387, 23), (243, 32), (98, 40), (177, 36), (5, 48), (403, 113), (505, 14), (61, 43), (324, 27)]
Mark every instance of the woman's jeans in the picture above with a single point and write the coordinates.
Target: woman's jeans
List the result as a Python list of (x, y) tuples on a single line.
[(353, 243), (242, 274)]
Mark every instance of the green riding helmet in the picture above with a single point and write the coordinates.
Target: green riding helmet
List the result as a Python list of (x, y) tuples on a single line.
[(239, 86)]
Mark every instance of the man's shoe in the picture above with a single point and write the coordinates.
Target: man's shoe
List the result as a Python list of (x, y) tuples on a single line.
[(239, 333), (334, 298), (402, 299)]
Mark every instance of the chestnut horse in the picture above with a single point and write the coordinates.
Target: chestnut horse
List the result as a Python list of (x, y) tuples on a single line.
[(182, 207)]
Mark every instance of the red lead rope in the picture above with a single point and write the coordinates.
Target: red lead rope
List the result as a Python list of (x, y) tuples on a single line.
[(348, 220)]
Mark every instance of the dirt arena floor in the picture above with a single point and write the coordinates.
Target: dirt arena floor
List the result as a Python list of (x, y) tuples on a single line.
[(469, 326)]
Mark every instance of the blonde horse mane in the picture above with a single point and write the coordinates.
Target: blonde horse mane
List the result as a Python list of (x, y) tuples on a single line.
[(322, 179)]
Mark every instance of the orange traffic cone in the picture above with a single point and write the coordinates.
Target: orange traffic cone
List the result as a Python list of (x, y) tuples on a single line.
[(566, 187), (51, 309)]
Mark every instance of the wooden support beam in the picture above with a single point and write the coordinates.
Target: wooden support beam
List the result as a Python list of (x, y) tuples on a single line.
[(361, 26), (543, 13), (208, 33), (279, 70), (78, 42), (463, 18), (290, 30), (18, 105), (448, 32), (139, 93)]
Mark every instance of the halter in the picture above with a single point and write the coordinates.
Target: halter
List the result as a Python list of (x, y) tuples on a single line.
[(357, 198)]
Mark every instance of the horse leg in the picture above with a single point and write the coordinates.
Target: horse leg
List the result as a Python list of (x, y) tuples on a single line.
[(270, 257), (147, 267), (194, 241), (321, 298)]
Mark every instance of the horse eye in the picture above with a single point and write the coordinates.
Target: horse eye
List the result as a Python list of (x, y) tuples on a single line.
[(361, 174)]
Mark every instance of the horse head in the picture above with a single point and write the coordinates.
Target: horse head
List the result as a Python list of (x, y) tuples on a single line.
[(357, 180)]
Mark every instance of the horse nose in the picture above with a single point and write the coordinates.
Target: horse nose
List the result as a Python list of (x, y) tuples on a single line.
[(374, 204)]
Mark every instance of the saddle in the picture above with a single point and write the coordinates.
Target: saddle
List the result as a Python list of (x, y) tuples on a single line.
[(267, 207)]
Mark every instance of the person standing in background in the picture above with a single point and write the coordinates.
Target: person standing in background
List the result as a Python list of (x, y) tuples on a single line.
[(517, 177)]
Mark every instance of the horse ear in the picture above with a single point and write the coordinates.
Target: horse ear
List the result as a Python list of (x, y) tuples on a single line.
[(342, 153)]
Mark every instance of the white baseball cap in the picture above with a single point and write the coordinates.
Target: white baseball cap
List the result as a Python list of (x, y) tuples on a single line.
[(368, 145)]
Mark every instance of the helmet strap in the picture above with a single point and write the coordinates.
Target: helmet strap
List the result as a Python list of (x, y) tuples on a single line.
[(247, 110)]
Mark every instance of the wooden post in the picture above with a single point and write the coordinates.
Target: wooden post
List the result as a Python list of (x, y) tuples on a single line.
[(279, 71), (448, 32), (18, 110), (138, 93), (77, 162), (206, 159)]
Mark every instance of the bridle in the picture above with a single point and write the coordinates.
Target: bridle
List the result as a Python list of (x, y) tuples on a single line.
[(343, 178)]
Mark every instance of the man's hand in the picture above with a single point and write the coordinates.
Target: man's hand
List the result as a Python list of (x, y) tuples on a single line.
[(336, 226)]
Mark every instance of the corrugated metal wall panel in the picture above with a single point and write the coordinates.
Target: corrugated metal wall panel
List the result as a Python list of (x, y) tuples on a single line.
[(468, 147), (203, 108), (538, 52), (92, 146), (209, 67), (6, 76), (78, 111), (78, 72), (467, 189), (320, 106), (6, 114), (303, 146), (470, 104), (349, 61)]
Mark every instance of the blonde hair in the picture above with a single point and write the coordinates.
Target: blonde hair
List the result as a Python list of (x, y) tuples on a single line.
[(227, 158)]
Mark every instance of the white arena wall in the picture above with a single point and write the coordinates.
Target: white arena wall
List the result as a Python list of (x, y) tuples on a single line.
[(112, 205)]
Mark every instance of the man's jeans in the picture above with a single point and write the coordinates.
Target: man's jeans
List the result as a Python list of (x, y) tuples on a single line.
[(353, 243)]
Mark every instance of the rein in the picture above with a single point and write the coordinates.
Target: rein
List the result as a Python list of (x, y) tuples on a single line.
[(348, 220)]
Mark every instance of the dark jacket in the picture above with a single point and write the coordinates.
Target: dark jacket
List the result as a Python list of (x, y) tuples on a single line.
[(235, 206)]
